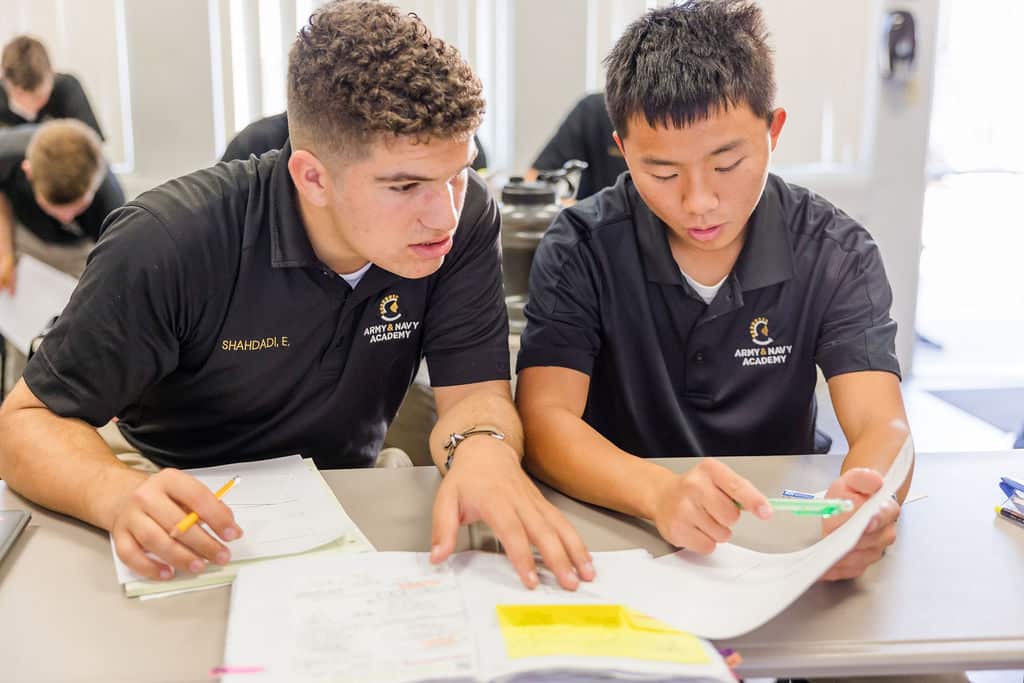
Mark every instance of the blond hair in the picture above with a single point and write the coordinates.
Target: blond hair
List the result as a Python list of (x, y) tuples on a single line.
[(66, 160)]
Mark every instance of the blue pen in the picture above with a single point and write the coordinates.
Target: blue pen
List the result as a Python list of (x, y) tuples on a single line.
[(1011, 488), (1014, 492), (792, 493)]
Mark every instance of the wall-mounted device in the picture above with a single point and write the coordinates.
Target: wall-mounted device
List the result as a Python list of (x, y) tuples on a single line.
[(899, 45)]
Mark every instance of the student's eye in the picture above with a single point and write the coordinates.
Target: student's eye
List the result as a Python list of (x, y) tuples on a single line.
[(664, 178), (402, 189), (729, 168)]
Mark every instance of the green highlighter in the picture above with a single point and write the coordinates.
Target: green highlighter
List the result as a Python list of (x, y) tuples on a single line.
[(812, 507)]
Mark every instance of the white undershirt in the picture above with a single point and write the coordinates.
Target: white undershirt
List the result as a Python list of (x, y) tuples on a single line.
[(706, 292), (353, 278)]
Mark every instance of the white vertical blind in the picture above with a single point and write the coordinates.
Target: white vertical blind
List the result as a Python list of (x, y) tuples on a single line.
[(272, 55), (240, 65)]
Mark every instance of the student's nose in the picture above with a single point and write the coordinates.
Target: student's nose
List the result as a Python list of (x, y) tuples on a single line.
[(442, 212), (699, 197)]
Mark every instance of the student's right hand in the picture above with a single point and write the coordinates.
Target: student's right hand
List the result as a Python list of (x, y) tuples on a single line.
[(8, 267), (697, 509), (146, 516)]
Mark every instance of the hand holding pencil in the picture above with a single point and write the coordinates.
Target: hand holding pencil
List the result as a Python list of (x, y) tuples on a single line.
[(191, 518), (154, 526)]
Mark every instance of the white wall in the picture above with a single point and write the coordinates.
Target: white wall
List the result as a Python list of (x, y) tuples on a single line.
[(536, 58), (172, 81), (172, 92)]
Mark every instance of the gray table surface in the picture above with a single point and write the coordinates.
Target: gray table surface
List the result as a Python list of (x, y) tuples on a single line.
[(947, 597)]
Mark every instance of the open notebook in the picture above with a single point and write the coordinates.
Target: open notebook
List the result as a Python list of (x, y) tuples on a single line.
[(395, 618), (283, 506)]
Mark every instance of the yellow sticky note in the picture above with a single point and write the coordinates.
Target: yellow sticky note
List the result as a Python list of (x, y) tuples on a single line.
[(594, 631)]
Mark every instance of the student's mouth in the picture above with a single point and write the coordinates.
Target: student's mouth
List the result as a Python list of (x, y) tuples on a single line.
[(432, 250), (705, 234)]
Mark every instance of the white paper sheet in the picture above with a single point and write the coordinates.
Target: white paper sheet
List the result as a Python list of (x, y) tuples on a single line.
[(41, 292), (374, 618), (281, 505), (734, 590)]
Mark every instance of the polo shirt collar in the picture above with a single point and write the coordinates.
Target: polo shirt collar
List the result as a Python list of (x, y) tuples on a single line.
[(289, 244), (766, 257), (652, 237)]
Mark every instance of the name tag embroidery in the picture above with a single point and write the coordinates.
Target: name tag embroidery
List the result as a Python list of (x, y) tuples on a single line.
[(254, 344)]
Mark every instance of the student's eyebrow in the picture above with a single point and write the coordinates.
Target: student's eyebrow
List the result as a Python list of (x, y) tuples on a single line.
[(657, 161), (403, 177), (727, 147)]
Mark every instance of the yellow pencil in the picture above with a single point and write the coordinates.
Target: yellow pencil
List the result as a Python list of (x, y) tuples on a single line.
[(191, 518)]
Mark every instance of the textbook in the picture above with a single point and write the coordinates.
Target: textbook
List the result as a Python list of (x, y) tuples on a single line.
[(284, 508), (393, 617)]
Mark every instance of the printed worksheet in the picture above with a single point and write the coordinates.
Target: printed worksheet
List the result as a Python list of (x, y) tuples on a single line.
[(283, 506), (734, 590)]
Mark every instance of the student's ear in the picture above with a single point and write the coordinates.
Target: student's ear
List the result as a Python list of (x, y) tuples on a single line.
[(618, 143), (310, 177), (26, 167), (775, 128)]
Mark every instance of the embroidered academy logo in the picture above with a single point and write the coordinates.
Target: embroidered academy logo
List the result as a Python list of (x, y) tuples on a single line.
[(389, 312), (759, 332), (392, 330), (763, 353)]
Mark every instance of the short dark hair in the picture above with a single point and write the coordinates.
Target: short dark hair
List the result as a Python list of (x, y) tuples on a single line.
[(25, 63), (66, 158), (360, 70), (680, 64)]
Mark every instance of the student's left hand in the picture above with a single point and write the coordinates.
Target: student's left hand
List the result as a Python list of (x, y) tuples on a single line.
[(858, 485), (7, 273), (488, 483)]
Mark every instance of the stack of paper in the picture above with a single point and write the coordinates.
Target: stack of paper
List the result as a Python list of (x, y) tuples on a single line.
[(283, 506), (41, 292)]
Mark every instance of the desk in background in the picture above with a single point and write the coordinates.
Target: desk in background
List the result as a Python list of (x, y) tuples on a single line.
[(946, 597)]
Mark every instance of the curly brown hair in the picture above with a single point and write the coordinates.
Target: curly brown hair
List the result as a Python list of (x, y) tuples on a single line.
[(25, 63), (362, 70), (66, 158)]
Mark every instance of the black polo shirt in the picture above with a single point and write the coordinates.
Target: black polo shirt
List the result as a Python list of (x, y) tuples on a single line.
[(260, 136), (271, 132), (206, 323), (586, 134), (673, 376), (16, 187), (67, 101)]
